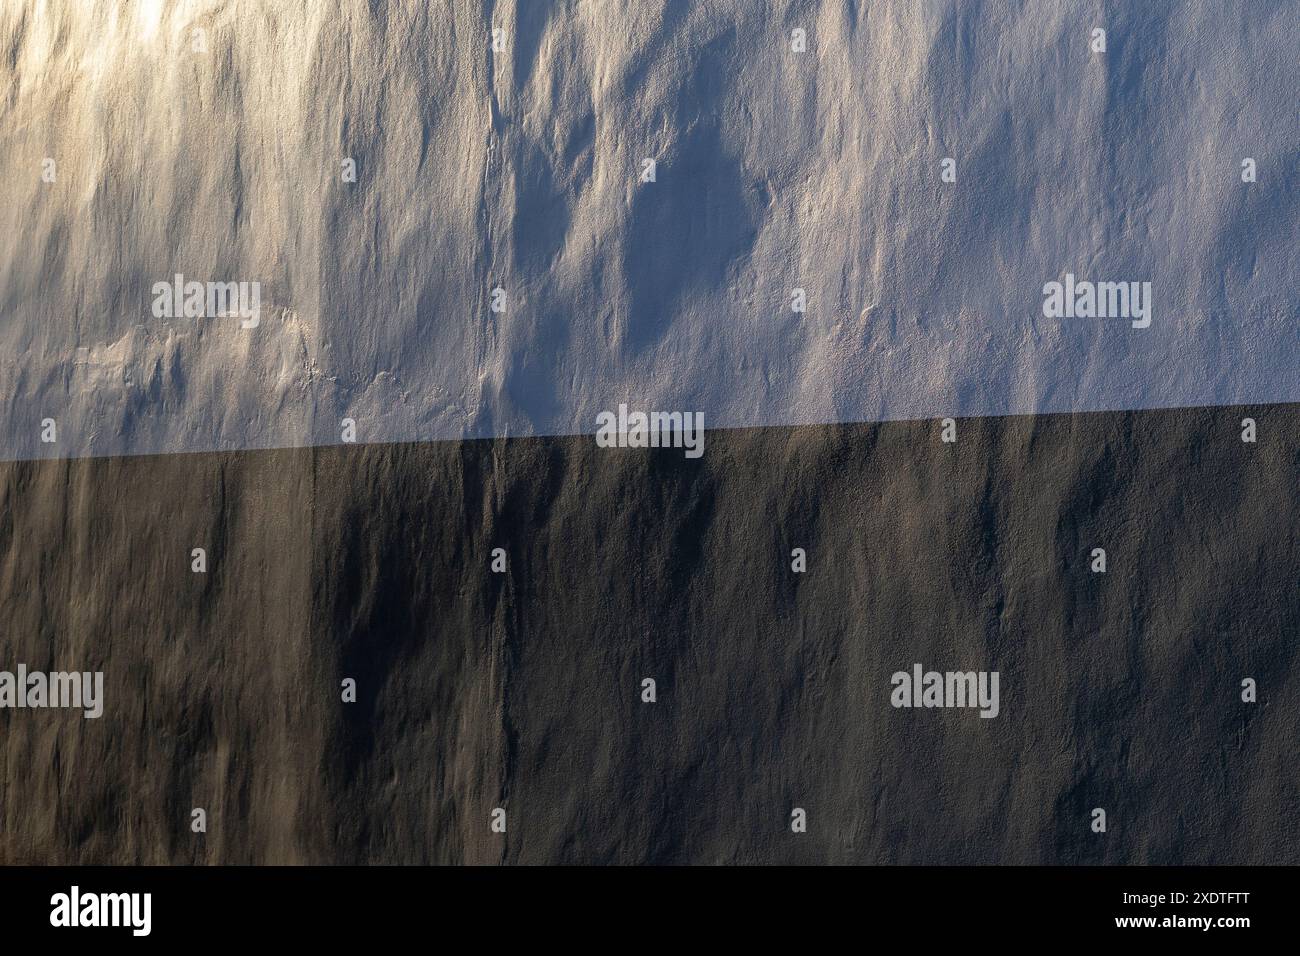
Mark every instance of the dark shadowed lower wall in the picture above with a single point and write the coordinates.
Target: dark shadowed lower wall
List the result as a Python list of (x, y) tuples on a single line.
[(523, 690)]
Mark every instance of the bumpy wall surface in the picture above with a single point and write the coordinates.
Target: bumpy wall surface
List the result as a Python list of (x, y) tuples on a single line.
[(467, 229)]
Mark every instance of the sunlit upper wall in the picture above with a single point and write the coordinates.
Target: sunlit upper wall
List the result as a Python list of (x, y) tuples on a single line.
[(379, 169)]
